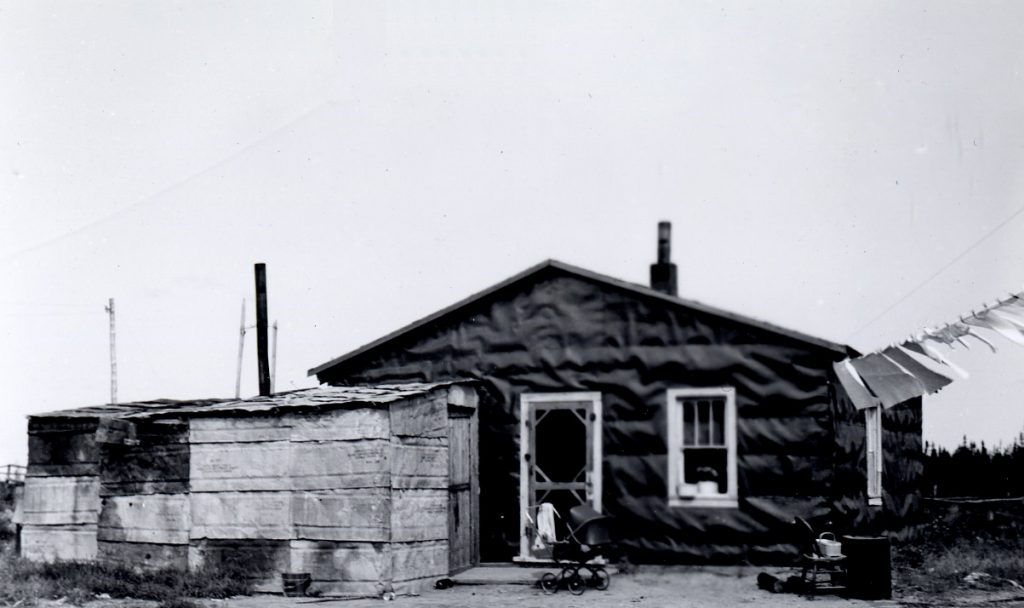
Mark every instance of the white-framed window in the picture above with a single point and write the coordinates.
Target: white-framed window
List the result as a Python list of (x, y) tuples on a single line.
[(702, 447), (873, 445)]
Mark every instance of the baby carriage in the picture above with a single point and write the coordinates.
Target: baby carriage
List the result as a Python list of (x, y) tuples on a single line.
[(588, 535)]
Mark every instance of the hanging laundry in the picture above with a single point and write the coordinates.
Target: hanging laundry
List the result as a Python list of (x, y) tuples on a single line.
[(546, 522), (854, 386), (975, 335), (1004, 328), (932, 380), (932, 353), (887, 380), (949, 334), (1010, 315)]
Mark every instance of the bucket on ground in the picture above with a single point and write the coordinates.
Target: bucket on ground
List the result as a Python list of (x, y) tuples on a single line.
[(295, 584)]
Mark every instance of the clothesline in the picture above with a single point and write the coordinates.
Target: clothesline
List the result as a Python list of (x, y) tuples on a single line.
[(915, 367)]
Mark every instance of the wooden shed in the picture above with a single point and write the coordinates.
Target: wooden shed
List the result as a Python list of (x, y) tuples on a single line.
[(365, 488)]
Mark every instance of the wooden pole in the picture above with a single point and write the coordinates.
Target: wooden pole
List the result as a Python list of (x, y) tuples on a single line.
[(241, 348), (263, 363), (113, 352)]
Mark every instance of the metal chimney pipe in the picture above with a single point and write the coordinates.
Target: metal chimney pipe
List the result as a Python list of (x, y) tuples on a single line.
[(663, 273), (261, 329), (664, 242)]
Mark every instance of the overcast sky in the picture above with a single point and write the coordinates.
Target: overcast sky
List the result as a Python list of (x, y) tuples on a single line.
[(820, 162)]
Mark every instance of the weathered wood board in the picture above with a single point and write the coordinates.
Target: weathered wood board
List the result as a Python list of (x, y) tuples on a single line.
[(143, 555), (340, 464), (340, 425), (282, 465), (241, 429), (421, 417), (415, 465), (343, 515), (147, 468), (221, 467), (49, 543), (62, 447), (61, 500), (418, 515), (348, 569), (153, 518), (343, 567), (265, 559), (241, 515), (419, 560)]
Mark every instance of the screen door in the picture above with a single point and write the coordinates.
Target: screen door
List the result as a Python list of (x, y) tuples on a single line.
[(560, 463)]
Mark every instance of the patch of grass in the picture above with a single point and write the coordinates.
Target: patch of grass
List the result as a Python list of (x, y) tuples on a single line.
[(960, 540), (179, 603), (23, 581)]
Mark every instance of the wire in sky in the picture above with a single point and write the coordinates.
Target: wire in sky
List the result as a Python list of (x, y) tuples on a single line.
[(907, 295), (155, 195)]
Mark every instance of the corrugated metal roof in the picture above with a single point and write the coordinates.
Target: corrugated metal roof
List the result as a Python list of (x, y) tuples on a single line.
[(582, 273), (318, 397)]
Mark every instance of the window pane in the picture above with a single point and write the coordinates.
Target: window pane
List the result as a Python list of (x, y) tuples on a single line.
[(707, 464), (703, 422), (718, 418), (689, 429), (560, 452)]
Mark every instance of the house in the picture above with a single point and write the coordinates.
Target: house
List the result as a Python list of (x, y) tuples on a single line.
[(363, 488), (702, 431)]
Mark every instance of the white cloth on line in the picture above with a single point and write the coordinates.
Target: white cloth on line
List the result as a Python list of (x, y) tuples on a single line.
[(854, 386), (997, 324), (921, 346)]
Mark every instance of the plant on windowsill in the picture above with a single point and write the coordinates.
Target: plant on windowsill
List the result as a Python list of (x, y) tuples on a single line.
[(707, 481)]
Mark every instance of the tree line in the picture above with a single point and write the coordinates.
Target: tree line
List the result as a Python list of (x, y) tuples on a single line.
[(974, 470)]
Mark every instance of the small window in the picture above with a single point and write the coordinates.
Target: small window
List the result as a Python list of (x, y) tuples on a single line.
[(702, 447), (873, 445)]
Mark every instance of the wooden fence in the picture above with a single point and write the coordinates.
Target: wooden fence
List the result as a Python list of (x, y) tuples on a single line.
[(12, 473)]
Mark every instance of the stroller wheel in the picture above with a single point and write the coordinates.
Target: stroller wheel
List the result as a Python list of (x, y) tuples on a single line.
[(576, 584), (549, 583), (600, 579)]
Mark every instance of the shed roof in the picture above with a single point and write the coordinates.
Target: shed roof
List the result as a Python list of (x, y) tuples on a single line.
[(123, 409), (557, 267), (319, 397)]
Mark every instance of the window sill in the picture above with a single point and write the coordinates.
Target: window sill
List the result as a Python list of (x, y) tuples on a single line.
[(704, 502)]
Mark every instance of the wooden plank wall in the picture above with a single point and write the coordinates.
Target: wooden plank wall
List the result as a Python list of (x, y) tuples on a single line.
[(61, 502), (358, 498), (145, 515), (298, 490), (419, 490)]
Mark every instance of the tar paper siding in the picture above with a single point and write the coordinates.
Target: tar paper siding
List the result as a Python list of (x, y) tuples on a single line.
[(562, 333), (901, 512)]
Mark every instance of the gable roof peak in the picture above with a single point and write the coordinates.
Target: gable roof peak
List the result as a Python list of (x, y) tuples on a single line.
[(587, 275)]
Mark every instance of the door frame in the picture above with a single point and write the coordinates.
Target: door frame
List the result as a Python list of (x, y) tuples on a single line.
[(526, 401)]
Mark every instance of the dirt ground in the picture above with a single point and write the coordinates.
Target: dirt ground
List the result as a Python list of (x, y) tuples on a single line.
[(649, 587)]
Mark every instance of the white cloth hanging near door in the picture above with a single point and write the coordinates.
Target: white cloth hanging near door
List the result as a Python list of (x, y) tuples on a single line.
[(546, 522)]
